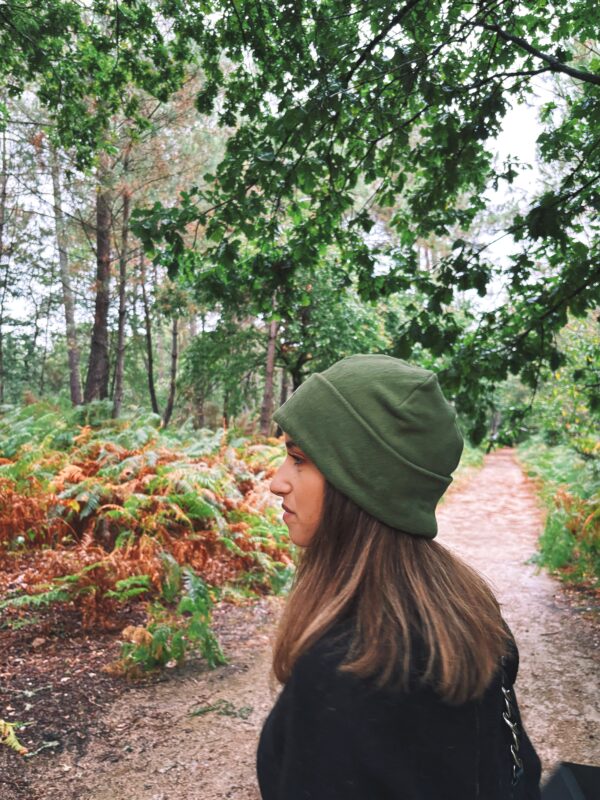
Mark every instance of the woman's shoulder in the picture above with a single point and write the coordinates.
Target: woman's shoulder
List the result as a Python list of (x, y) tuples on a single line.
[(319, 667), (326, 654), (319, 670), (320, 691)]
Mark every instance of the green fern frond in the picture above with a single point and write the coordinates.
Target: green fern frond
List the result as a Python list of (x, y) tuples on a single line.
[(130, 587), (171, 585), (232, 546), (194, 506), (54, 595), (75, 577), (197, 590), (9, 738)]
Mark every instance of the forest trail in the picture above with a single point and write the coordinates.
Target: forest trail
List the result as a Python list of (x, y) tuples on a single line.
[(493, 523), (150, 747)]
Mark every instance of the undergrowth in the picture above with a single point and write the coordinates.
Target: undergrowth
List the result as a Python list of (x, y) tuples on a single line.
[(570, 488), (103, 515), (471, 458), (176, 627)]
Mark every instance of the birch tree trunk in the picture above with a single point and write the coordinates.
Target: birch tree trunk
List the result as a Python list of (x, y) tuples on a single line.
[(65, 279), (159, 340), (120, 359), (42, 384), (174, 355), (148, 326), (96, 385), (3, 265), (283, 396), (267, 403)]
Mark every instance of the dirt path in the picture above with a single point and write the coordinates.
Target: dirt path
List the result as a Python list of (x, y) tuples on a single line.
[(150, 747), (493, 523)]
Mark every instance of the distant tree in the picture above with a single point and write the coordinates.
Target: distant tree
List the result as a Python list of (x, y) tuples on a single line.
[(221, 364), (565, 409), (81, 57), (65, 277), (323, 319), (266, 408), (28, 297)]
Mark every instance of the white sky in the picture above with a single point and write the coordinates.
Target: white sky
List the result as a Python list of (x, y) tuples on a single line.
[(517, 141)]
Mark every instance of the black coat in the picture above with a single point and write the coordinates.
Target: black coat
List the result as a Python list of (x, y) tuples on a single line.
[(332, 736)]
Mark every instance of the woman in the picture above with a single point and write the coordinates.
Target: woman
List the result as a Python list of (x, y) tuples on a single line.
[(396, 662)]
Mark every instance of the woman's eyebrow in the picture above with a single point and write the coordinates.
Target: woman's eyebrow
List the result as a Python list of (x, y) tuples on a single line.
[(290, 445)]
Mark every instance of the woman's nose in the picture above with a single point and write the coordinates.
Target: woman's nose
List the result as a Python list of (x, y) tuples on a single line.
[(278, 484)]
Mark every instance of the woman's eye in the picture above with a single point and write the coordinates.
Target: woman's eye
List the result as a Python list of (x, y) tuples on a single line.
[(297, 460)]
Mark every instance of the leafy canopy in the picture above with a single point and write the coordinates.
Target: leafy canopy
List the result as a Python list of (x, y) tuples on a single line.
[(327, 95), (86, 59), (406, 98)]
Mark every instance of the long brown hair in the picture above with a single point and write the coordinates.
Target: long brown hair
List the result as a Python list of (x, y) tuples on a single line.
[(398, 589)]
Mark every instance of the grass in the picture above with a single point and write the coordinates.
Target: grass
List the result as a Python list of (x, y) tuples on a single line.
[(570, 488), (472, 457), (470, 461)]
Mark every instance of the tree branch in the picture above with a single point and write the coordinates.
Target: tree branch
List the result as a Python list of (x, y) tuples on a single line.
[(380, 36), (588, 283), (555, 64)]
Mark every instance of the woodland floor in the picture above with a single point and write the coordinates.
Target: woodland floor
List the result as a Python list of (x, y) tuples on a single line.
[(119, 741)]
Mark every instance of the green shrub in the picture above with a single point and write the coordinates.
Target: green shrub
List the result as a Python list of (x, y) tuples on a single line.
[(570, 488), (471, 457), (170, 635)]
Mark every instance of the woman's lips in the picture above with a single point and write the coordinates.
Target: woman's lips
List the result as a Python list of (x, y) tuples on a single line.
[(287, 511)]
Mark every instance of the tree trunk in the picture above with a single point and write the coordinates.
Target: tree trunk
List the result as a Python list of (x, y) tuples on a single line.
[(42, 384), (3, 192), (137, 337), (296, 374), (96, 385), (120, 360), (35, 322), (200, 415), (284, 387), (283, 396), (267, 404), (225, 417), (159, 340), (174, 354), (112, 359), (149, 349), (65, 279)]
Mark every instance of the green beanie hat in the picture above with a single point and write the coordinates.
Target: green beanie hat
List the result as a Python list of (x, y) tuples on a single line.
[(380, 431)]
